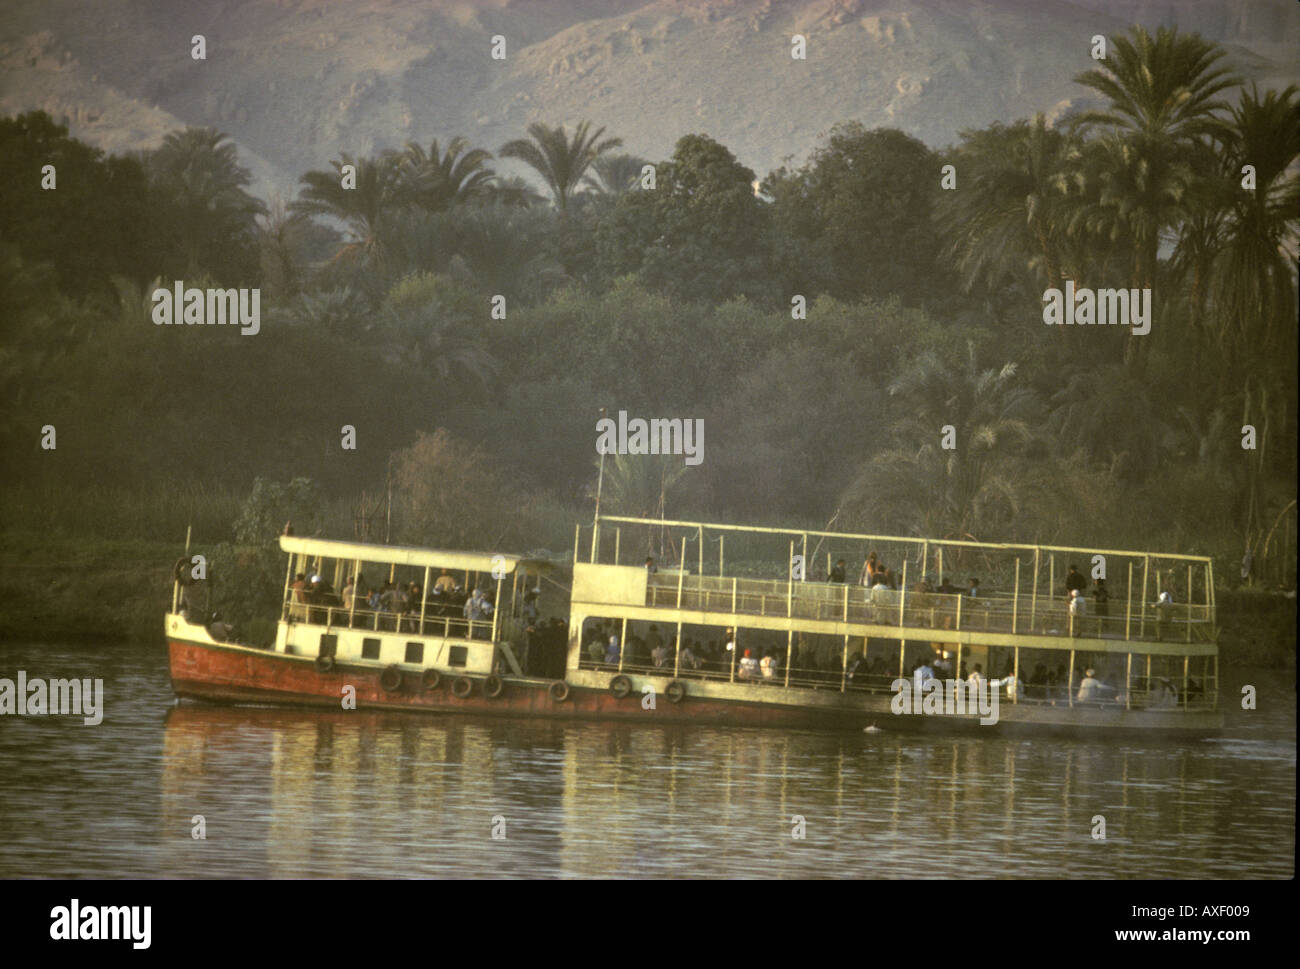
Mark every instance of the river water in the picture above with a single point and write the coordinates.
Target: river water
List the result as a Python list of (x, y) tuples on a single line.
[(357, 795)]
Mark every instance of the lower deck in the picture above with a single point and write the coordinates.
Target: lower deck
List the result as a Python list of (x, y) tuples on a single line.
[(205, 669)]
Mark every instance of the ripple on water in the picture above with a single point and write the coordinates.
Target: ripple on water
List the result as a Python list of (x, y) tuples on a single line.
[(359, 795)]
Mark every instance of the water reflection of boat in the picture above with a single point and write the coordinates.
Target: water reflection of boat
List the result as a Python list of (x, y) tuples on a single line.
[(834, 653)]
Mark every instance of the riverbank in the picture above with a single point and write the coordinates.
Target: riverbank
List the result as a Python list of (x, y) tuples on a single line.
[(114, 591)]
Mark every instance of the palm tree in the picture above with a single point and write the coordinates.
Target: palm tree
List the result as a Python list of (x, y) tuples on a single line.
[(513, 191), (1253, 279), (504, 250), (1008, 219), (361, 209), (1163, 103), (435, 181), (430, 321), (960, 491), (1082, 420), (197, 172), (637, 486), (560, 160), (281, 239), (615, 174)]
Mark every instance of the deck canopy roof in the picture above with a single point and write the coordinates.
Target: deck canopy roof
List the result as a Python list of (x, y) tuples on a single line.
[(407, 555)]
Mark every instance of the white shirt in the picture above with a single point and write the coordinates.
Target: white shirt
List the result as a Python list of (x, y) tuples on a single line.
[(1089, 689), (768, 666)]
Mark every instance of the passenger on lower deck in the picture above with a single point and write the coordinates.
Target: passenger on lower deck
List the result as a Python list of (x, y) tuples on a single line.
[(1091, 688), (688, 660), (748, 669)]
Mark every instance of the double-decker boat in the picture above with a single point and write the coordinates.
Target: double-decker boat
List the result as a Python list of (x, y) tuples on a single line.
[(706, 644)]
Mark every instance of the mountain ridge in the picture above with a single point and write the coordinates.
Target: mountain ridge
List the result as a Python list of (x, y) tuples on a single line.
[(296, 82)]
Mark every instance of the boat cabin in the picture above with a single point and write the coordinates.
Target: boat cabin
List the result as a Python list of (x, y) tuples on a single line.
[(415, 608)]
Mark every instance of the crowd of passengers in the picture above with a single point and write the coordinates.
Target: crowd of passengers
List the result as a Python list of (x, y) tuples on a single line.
[(816, 665), (883, 581), (389, 606), (1052, 684), (396, 608), (655, 652)]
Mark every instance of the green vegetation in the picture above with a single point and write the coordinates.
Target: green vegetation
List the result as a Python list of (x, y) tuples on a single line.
[(923, 310)]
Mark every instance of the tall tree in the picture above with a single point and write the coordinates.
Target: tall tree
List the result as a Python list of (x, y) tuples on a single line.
[(562, 161), (1163, 101), (88, 218), (615, 174), (1005, 215), (1254, 277), (359, 198), (208, 215), (436, 180), (957, 488), (700, 235), (857, 218)]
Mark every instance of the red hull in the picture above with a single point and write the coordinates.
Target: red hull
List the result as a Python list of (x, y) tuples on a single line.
[(204, 672), (227, 674)]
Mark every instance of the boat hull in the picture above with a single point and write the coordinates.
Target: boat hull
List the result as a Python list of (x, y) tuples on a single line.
[(231, 673)]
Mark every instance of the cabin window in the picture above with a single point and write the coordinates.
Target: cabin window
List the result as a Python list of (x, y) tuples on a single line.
[(415, 652), (370, 648), (329, 645), (458, 656)]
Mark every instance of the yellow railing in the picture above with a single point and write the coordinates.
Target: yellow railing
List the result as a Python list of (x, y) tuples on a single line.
[(922, 610), (378, 620)]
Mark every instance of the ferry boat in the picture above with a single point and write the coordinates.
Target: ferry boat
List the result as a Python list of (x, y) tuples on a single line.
[(694, 641)]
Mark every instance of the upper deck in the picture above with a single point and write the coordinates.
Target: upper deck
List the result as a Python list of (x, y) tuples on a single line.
[(1021, 599)]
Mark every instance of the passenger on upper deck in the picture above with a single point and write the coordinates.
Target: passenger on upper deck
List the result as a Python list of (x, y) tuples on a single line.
[(392, 598), (1073, 581), (1078, 609), (748, 667), (1164, 607), (650, 564), (477, 607), (837, 573), (445, 583), (611, 653), (1101, 597), (974, 588), (768, 666), (869, 569), (298, 610)]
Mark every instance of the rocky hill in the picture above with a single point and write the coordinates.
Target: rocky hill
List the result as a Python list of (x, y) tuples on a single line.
[(297, 81)]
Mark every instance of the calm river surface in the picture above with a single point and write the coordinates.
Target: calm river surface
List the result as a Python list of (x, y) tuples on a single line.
[(356, 795)]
